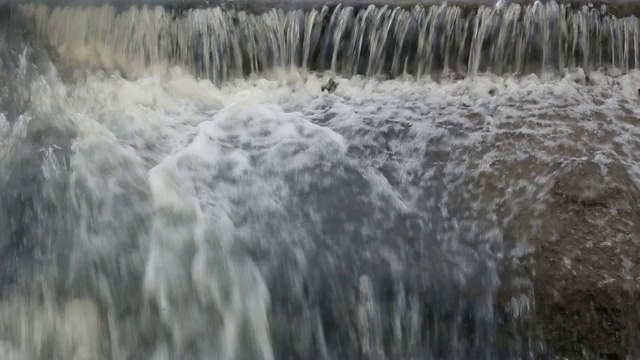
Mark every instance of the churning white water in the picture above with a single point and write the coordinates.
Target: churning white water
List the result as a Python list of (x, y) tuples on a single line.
[(166, 216)]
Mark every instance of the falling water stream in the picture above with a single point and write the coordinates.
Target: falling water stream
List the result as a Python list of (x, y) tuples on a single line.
[(176, 185), (225, 44)]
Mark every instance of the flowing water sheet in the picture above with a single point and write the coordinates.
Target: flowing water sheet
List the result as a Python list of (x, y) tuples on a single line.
[(178, 186)]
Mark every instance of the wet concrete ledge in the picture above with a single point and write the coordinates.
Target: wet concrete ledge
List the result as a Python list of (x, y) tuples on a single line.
[(619, 8)]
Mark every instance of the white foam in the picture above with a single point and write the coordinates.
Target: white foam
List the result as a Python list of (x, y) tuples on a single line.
[(213, 154)]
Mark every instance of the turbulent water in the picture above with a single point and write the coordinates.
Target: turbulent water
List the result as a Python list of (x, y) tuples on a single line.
[(177, 186), (223, 44)]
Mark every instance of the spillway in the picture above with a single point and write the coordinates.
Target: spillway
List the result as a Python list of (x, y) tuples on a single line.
[(176, 184), (220, 43)]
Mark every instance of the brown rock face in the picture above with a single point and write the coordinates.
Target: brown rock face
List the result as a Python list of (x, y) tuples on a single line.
[(623, 9), (587, 264)]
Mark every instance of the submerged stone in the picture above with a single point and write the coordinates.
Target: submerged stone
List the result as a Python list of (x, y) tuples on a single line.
[(330, 86)]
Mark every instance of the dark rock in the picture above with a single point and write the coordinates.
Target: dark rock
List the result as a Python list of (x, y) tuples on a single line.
[(587, 262), (596, 183), (330, 86)]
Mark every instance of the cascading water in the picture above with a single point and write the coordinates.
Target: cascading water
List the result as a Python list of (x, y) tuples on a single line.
[(175, 184), (224, 44)]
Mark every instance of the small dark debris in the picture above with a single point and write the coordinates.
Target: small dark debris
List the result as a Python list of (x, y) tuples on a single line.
[(330, 86)]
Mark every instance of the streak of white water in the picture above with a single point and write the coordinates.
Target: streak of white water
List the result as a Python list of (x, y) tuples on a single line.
[(224, 44)]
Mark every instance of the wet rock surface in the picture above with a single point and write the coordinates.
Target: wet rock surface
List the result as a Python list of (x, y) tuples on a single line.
[(628, 8), (555, 180), (587, 272)]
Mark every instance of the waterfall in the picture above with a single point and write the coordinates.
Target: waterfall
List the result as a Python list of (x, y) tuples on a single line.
[(176, 184), (224, 44)]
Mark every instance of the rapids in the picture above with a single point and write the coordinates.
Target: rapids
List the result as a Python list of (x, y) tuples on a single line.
[(177, 186)]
